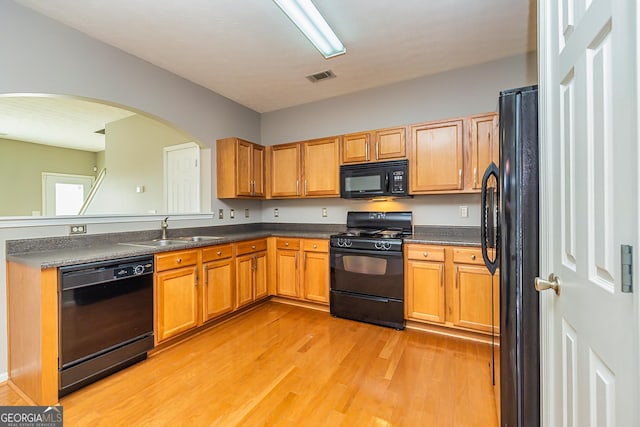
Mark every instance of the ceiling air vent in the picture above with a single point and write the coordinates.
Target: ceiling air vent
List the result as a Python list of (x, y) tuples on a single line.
[(324, 75)]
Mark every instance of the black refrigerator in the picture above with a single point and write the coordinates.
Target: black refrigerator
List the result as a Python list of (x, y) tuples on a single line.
[(510, 244)]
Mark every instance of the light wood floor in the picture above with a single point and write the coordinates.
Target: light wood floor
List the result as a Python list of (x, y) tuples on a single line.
[(287, 366)]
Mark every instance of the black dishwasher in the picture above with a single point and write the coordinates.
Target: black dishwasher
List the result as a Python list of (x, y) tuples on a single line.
[(106, 319)]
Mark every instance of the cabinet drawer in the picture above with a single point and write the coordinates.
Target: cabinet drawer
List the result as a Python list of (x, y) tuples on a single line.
[(468, 256), (170, 260), (251, 246), (425, 252), (216, 252), (315, 245), (284, 243)]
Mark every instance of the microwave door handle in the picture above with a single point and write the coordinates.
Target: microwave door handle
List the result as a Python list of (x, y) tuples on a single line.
[(386, 182)]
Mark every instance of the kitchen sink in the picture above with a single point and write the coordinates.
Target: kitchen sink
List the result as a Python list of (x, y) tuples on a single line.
[(197, 238), (173, 241)]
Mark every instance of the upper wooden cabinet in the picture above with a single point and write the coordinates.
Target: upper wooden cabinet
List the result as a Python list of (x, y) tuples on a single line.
[(436, 161), (305, 169), (483, 146), (382, 144), (240, 169)]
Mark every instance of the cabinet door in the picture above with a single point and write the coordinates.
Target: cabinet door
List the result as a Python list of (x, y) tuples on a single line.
[(315, 279), (285, 170), (260, 275), (217, 288), (257, 164), (176, 302), (322, 167), (390, 144), (483, 146), (472, 298), (287, 273), (355, 147), (244, 169), (424, 287), (436, 160), (244, 280)]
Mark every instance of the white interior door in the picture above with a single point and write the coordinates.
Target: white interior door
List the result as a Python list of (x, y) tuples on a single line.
[(589, 208), (182, 178)]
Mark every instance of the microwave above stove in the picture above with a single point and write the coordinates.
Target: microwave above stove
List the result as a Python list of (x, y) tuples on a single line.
[(369, 180)]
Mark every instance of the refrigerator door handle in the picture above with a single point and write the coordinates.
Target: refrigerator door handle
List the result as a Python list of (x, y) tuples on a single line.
[(488, 226)]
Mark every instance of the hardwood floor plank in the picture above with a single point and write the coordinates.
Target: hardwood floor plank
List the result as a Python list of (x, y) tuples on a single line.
[(282, 365)]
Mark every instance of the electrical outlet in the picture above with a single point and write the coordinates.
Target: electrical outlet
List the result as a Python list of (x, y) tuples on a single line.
[(232, 213), (276, 213), (324, 212), (246, 213), (78, 229), (220, 213), (464, 211)]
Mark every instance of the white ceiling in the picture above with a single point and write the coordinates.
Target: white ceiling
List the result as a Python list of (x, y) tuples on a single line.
[(249, 51), (57, 121)]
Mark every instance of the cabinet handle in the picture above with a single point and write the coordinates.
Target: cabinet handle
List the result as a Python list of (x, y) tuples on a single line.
[(179, 260), (206, 275), (304, 261), (286, 243), (473, 257), (305, 187), (253, 246), (315, 246), (460, 178), (219, 253), (297, 187), (366, 150), (441, 276), (425, 254), (197, 278), (475, 177), (253, 188), (296, 260), (377, 154), (456, 276)]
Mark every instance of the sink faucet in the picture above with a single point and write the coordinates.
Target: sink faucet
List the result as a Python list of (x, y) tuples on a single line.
[(164, 225)]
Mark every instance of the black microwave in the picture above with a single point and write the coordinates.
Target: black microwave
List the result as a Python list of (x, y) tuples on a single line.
[(369, 180)]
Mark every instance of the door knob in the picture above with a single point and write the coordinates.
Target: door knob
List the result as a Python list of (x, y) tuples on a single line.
[(552, 282)]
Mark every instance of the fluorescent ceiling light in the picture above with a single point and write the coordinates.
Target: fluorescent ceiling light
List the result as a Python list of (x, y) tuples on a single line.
[(307, 18)]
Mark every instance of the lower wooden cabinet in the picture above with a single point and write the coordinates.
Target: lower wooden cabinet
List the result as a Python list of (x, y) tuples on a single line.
[(424, 284), (251, 272), (218, 276), (302, 269), (176, 290), (450, 286)]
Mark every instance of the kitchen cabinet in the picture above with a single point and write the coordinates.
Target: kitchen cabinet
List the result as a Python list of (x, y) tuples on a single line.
[(450, 286), (390, 143), (436, 161), (425, 284), (305, 169), (251, 272), (483, 146), (474, 294), (315, 270), (287, 267), (240, 169), (218, 277), (285, 170), (302, 269), (382, 144), (176, 293)]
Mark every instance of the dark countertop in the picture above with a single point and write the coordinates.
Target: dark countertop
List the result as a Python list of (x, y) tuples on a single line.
[(63, 251)]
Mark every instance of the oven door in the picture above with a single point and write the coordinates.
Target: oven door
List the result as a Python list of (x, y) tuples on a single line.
[(377, 273)]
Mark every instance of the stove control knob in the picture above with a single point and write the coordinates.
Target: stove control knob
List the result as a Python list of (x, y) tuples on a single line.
[(138, 269), (387, 245)]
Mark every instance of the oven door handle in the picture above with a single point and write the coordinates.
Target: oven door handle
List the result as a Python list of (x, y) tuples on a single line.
[(363, 252)]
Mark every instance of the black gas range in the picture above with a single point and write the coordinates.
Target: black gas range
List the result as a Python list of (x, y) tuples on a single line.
[(367, 270)]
